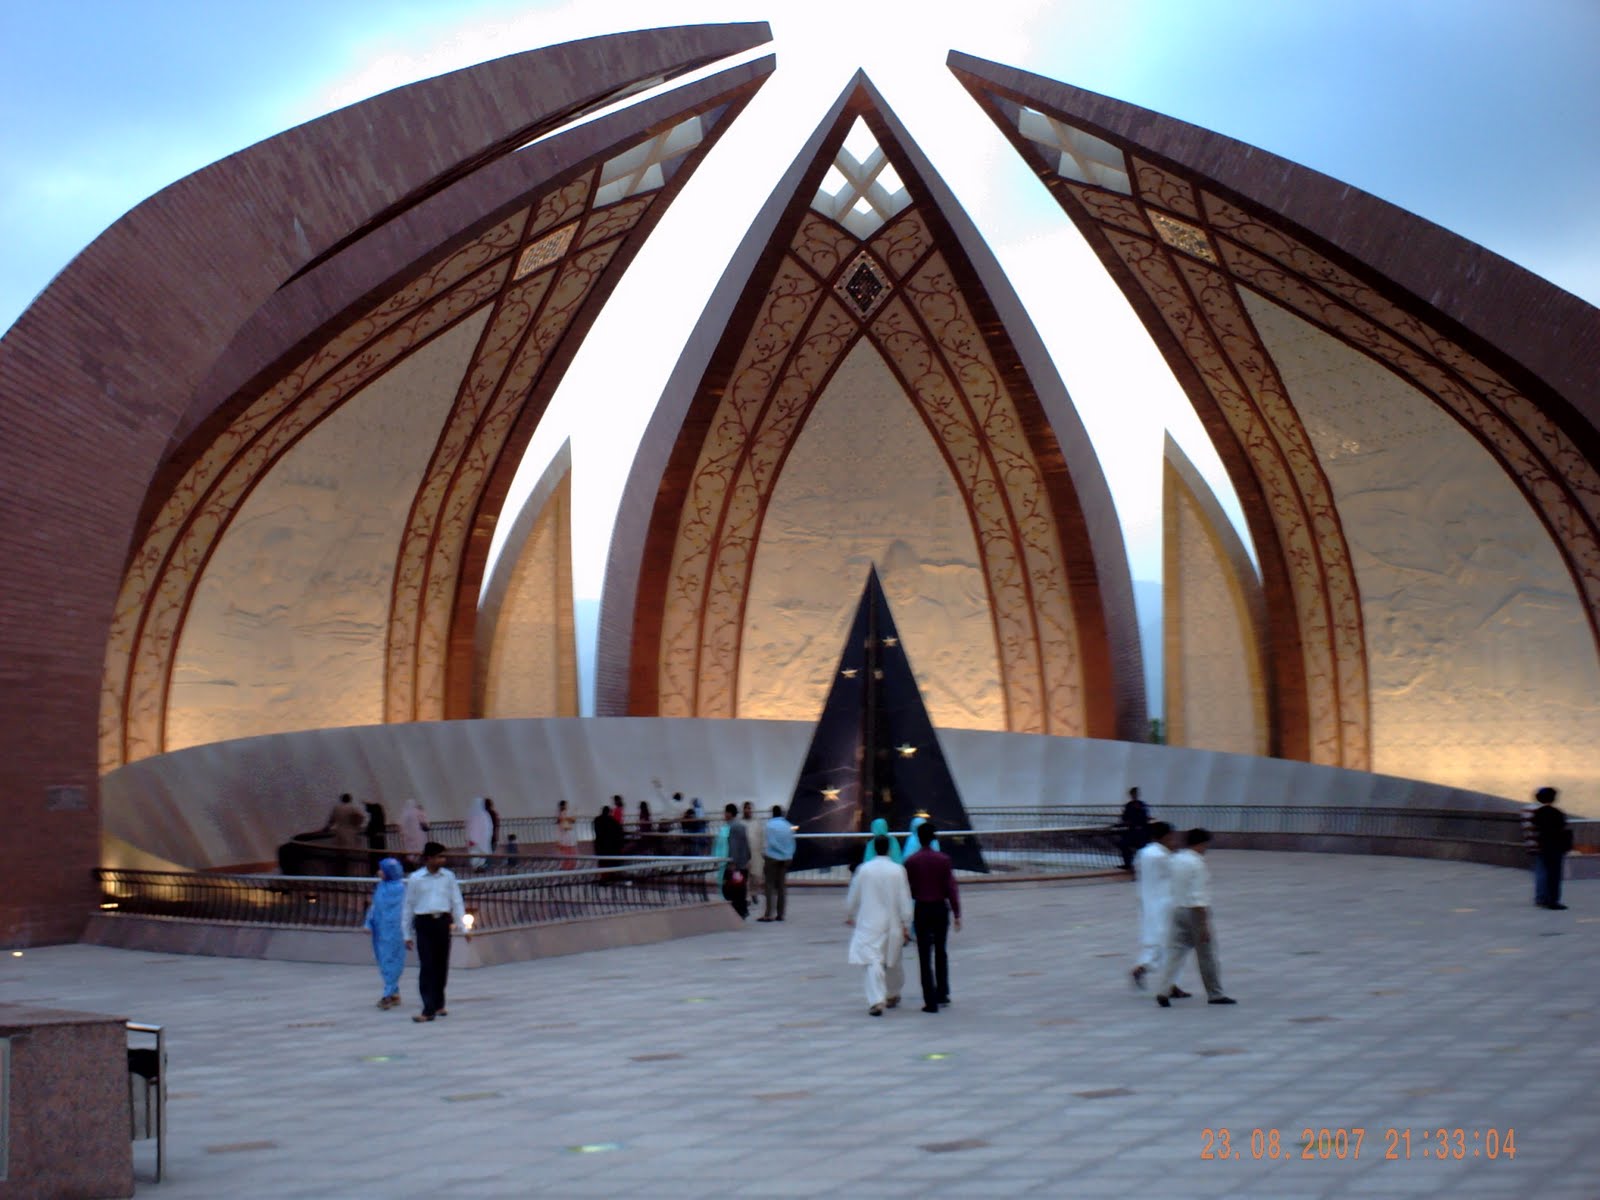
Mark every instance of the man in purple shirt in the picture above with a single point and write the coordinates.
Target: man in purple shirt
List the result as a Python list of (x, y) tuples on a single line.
[(933, 888)]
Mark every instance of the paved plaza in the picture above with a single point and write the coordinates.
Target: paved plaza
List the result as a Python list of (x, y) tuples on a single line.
[(1374, 993)]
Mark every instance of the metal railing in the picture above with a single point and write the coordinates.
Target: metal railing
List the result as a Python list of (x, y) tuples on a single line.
[(535, 847), (1450, 824), (496, 902), (1327, 819), (1010, 855), (1063, 841)]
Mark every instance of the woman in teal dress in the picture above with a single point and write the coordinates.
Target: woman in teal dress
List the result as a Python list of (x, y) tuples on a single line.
[(881, 826)]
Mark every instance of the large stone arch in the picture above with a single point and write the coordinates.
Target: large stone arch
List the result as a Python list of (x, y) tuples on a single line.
[(881, 256), (104, 380), (1256, 277)]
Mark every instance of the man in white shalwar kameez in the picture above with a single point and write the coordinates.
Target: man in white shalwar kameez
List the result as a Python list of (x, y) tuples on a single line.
[(1151, 867), (879, 906)]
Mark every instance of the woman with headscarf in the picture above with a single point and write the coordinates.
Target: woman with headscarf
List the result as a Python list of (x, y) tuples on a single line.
[(377, 827), (480, 832), (413, 830), (912, 844), (383, 919), (880, 826)]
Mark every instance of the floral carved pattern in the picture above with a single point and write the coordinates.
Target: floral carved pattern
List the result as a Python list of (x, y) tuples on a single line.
[(927, 333), (797, 336), (525, 329), (167, 566), (1557, 479), (1165, 190), (951, 376), (822, 246), (903, 243), (1253, 366), (1235, 372)]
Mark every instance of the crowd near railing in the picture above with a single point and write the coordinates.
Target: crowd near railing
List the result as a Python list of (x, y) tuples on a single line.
[(663, 866), (1014, 854), (494, 901)]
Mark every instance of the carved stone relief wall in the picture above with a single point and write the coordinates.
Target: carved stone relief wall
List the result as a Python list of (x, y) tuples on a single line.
[(1175, 265), (1482, 664), (286, 627), (528, 323), (866, 484), (1195, 257), (166, 567)]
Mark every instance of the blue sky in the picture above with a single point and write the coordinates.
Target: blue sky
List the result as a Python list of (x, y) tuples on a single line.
[(1482, 115)]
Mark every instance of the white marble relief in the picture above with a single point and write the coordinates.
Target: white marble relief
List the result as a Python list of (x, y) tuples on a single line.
[(286, 630), (865, 483), (1483, 667)]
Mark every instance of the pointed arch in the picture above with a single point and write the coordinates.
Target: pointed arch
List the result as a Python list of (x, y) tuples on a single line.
[(836, 257)]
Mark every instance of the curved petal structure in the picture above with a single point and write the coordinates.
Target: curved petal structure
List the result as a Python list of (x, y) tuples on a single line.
[(865, 388), (1410, 423), (207, 333)]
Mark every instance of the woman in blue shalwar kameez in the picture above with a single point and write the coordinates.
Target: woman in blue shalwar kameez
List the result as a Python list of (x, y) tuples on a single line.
[(388, 940)]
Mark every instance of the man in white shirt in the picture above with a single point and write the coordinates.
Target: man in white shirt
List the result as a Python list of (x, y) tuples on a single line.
[(1151, 868), (433, 900), (879, 906), (1190, 882)]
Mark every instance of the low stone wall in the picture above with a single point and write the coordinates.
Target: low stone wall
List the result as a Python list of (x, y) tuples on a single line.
[(223, 939), (1488, 853), (234, 802)]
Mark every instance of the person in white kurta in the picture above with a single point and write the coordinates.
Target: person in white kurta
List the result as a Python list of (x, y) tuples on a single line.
[(879, 906), (755, 830), (480, 832), (1151, 868)]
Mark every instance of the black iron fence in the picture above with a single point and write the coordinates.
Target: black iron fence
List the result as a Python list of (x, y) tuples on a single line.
[(1012, 854), (1328, 819), (1493, 837), (1062, 841), (494, 902), (525, 844), (1348, 820)]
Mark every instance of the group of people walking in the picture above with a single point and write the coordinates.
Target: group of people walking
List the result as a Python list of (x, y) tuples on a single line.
[(890, 901), (416, 912), (758, 854), (1175, 913), (896, 894)]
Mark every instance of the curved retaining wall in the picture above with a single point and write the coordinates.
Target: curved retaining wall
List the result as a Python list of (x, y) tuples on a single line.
[(234, 802)]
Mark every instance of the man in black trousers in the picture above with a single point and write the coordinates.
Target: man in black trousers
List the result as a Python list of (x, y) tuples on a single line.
[(933, 888), (432, 902), (1552, 840)]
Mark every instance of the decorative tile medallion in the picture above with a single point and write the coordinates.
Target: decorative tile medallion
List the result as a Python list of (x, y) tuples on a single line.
[(1181, 235), (546, 250), (863, 285)]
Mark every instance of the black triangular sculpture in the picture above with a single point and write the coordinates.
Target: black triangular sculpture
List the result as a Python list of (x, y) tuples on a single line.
[(875, 753)]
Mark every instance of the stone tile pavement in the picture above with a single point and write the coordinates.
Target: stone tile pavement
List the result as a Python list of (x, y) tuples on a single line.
[(1374, 993)]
